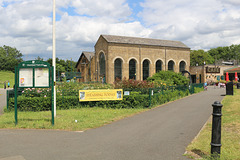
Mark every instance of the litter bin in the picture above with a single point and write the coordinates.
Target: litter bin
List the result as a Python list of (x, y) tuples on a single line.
[(229, 88), (238, 85)]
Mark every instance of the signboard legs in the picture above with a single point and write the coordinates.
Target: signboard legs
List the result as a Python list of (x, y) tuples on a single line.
[(15, 96)]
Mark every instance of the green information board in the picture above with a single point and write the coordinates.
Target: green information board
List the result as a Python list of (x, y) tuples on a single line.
[(33, 74)]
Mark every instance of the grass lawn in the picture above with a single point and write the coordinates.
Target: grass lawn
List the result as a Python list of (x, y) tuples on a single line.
[(230, 149), (6, 76), (72, 119)]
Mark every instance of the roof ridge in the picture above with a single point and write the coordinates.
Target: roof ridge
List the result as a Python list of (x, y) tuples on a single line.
[(144, 41)]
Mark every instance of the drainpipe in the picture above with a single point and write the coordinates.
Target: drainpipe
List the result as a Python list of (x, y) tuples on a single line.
[(165, 59), (140, 62)]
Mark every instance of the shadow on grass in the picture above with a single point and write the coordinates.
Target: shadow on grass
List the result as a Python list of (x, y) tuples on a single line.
[(37, 120), (199, 152)]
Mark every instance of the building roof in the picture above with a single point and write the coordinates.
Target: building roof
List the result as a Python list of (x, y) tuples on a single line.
[(233, 70), (144, 41), (88, 55)]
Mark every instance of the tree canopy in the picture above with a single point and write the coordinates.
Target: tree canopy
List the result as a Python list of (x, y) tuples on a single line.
[(9, 58), (198, 57), (227, 53), (168, 78), (64, 65)]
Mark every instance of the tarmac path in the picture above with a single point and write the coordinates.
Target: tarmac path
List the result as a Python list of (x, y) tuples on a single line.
[(162, 133), (3, 99)]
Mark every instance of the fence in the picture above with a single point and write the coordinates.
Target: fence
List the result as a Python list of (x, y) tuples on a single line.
[(144, 97), (10, 94)]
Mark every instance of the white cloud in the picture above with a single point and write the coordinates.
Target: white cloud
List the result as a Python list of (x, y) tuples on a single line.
[(208, 20), (103, 8), (231, 2), (27, 24)]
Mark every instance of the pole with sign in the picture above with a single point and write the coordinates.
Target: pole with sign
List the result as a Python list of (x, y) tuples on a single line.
[(54, 56), (33, 74)]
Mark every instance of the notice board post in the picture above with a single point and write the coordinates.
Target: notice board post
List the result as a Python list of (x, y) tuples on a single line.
[(33, 74)]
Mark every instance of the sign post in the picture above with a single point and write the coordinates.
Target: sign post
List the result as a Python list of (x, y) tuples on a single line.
[(33, 74)]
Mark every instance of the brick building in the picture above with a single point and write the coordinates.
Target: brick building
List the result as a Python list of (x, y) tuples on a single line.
[(132, 58), (212, 73)]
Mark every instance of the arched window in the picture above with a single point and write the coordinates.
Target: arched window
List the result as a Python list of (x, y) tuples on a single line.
[(102, 64), (158, 66), (171, 65), (132, 69), (145, 69), (118, 69), (182, 66)]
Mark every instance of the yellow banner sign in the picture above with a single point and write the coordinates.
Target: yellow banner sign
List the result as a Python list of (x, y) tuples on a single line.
[(100, 95)]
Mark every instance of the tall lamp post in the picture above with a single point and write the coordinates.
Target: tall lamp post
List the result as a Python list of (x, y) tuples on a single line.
[(54, 55)]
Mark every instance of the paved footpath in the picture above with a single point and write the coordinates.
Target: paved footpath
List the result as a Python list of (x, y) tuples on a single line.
[(3, 99), (158, 134)]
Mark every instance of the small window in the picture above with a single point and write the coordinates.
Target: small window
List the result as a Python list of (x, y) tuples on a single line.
[(171, 65), (102, 64), (132, 69), (118, 69), (158, 66), (182, 66), (145, 69)]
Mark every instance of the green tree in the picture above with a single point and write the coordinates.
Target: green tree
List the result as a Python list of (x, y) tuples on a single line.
[(198, 57), (168, 78), (60, 68), (9, 58), (39, 58), (223, 53), (68, 65), (235, 52)]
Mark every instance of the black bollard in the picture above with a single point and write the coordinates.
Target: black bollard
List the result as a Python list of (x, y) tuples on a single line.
[(216, 129)]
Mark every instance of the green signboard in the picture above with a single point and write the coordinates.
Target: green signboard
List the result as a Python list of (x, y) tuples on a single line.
[(33, 74)]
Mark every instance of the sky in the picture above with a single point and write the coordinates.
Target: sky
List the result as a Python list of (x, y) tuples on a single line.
[(200, 24)]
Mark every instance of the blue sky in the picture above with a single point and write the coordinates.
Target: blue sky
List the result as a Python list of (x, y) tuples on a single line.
[(200, 24)]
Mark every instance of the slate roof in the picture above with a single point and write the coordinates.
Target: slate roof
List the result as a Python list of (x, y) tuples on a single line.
[(143, 41), (88, 55)]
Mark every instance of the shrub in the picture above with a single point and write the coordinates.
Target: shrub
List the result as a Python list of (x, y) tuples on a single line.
[(168, 78), (132, 84), (222, 81)]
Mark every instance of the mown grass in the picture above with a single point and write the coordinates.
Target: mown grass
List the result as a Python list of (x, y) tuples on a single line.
[(6, 76), (72, 119), (230, 150)]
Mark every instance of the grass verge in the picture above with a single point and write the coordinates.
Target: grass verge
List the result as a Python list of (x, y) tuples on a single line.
[(6, 76), (72, 119), (230, 150)]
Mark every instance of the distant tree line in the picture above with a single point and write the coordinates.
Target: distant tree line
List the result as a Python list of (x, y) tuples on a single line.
[(63, 65), (11, 57), (228, 53)]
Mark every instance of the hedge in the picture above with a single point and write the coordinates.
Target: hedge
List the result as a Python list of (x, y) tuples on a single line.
[(135, 100)]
